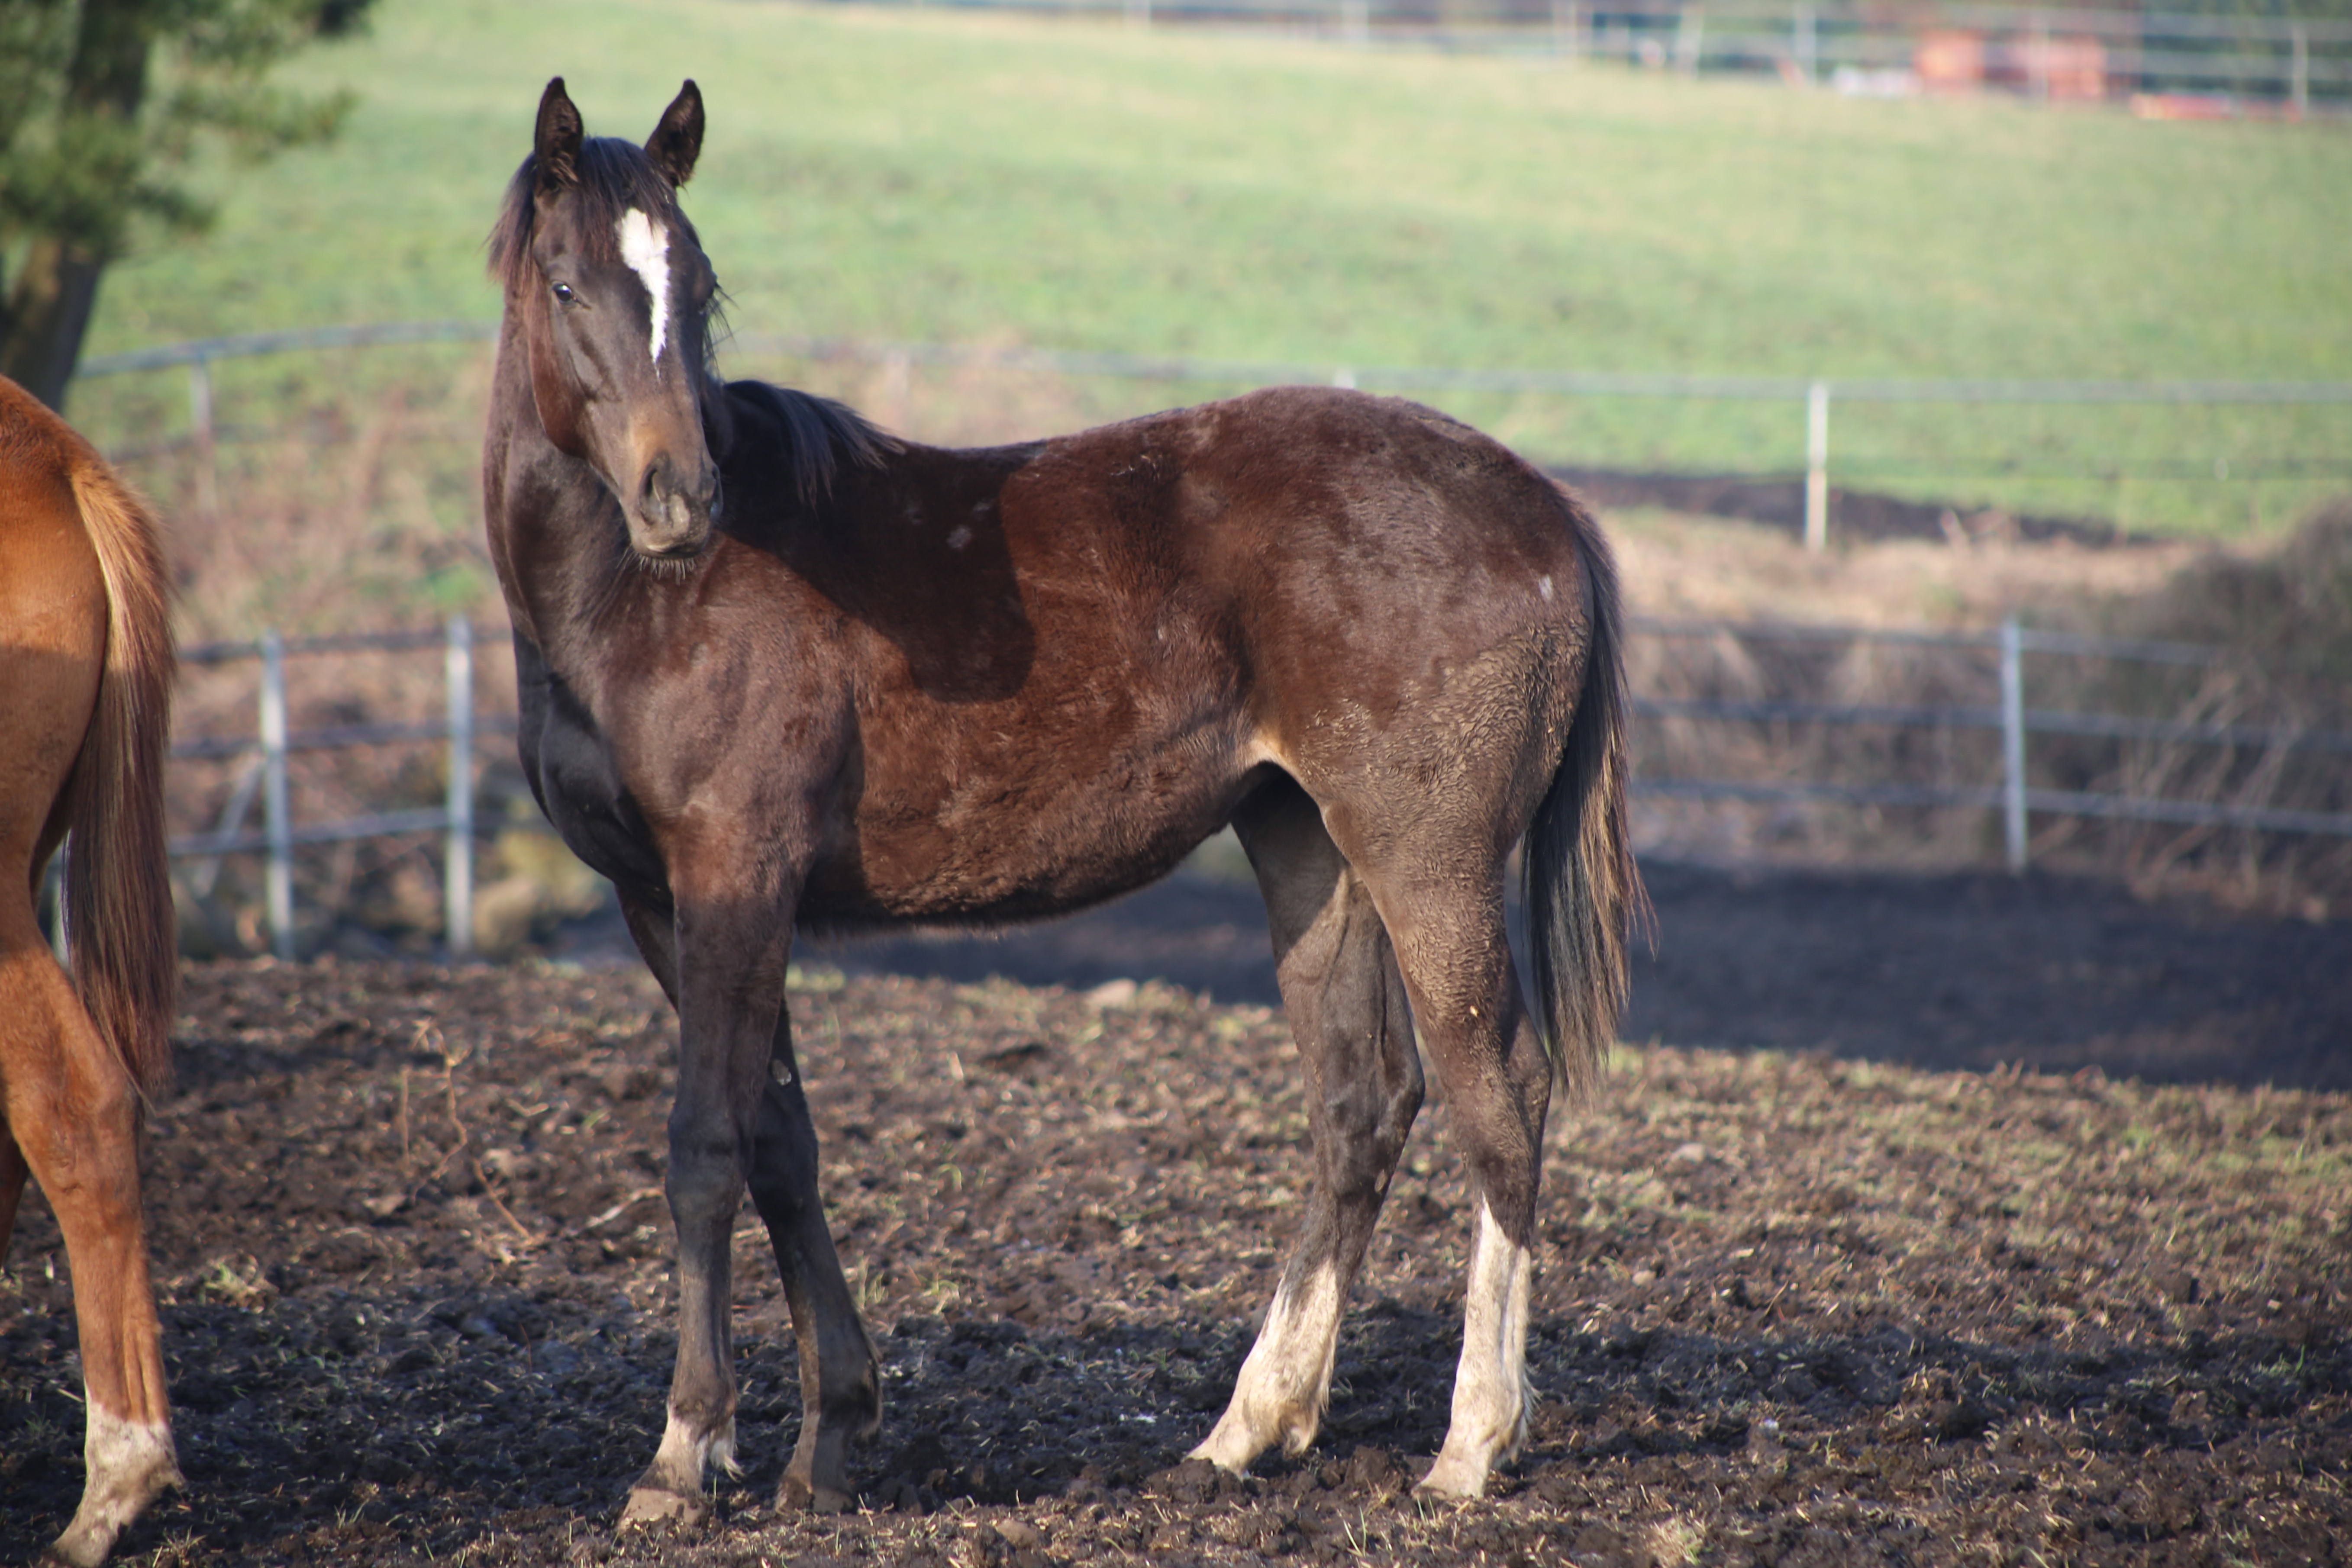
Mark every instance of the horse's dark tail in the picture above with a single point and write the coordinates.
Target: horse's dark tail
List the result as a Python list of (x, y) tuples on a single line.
[(119, 922), (1584, 895)]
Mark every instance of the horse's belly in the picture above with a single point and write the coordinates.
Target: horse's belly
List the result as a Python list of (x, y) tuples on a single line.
[(1038, 837)]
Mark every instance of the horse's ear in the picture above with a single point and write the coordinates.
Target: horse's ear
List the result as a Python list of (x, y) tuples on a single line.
[(676, 141), (556, 143)]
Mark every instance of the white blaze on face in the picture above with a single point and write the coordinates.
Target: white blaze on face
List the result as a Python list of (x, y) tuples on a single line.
[(646, 250)]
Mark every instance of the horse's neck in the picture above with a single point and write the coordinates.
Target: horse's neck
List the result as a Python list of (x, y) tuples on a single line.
[(549, 517)]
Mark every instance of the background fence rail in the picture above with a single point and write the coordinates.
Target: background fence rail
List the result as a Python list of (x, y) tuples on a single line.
[(2057, 52), (1817, 395), (2012, 794), (272, 743)]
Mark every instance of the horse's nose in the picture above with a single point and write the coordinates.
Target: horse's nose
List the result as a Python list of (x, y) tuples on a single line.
[(674, 513)]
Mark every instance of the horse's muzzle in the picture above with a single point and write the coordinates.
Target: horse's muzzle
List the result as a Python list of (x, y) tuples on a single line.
[(673, 521)]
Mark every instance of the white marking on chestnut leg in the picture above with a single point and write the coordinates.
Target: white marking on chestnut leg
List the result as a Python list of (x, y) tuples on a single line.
[(1491, 1398), (126, 1463), (1285, 1383), (646, 250)]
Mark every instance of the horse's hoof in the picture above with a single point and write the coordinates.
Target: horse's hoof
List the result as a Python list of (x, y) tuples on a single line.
[(657, 1505), (1454, 1479), (799, 1496)]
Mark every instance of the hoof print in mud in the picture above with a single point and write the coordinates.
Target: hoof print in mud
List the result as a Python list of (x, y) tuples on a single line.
[(1197, 1481)]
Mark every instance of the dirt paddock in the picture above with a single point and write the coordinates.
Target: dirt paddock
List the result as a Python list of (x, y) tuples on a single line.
[(1788, 1309)]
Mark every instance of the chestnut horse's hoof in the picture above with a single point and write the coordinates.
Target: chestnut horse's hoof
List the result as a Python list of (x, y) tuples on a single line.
[(659, 1505)]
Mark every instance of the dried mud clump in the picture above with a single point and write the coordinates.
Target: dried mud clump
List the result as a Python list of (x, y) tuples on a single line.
[(414, 1258)]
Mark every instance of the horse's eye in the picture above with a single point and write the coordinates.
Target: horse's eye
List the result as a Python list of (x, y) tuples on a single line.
[(563, 292)]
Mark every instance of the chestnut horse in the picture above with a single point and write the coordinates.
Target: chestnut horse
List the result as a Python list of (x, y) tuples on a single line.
[(85, 690), (780, 670)]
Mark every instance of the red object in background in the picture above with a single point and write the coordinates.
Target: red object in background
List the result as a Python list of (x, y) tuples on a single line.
[(1948, 60)]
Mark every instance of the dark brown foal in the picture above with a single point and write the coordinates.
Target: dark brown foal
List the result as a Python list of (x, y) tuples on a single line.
[(780, 670), (85, 683)]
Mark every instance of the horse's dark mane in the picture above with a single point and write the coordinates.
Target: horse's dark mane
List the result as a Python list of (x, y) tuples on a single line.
[(822, 435), (614, 175)]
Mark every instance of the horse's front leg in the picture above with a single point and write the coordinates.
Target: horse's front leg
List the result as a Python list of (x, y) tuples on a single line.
[(841, 1377), (731, 953)]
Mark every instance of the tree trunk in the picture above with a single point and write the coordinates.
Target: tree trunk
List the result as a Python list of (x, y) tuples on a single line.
[(49, 310)]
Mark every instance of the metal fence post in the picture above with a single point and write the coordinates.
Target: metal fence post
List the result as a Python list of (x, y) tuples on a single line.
[(457, 872), (2012, 743), (1804, 46), (2299, 82), (279, 882), (1816, 465), (1563, 28), (200, 426), (1690, 38)]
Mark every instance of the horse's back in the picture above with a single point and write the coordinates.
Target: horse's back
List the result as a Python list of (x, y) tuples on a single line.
[(1311, 473), (1074, 658), (1384, 582)]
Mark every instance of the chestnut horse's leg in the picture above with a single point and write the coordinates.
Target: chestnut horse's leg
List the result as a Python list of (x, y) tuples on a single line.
[(71, 1112), (841, 1375), (1347, 1009)]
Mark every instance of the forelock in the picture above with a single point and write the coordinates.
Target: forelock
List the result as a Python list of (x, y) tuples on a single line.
[(615, 176)]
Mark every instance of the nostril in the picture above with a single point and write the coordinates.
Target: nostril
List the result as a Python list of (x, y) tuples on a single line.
[(657, 481)]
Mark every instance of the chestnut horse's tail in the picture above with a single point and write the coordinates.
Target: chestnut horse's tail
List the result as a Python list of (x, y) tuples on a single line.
[(1584, 895), (120, 936)]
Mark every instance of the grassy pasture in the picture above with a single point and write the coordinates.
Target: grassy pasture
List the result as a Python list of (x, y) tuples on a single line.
[(911, 176)]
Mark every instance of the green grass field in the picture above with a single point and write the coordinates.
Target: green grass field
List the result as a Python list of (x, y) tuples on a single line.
[(910, 175)]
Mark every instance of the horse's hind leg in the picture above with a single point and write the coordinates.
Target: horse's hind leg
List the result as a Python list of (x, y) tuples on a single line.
[(72, 1115), (1496, 1082), (1346, 1010), (841, 1379)]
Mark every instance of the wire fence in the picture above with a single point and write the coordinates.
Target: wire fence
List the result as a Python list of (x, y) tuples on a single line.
[(1817, 396), (264, 776), (2012, 794), (2173, 63)]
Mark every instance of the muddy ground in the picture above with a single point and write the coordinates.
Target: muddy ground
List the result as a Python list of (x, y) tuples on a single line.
[(1788, 1309)]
